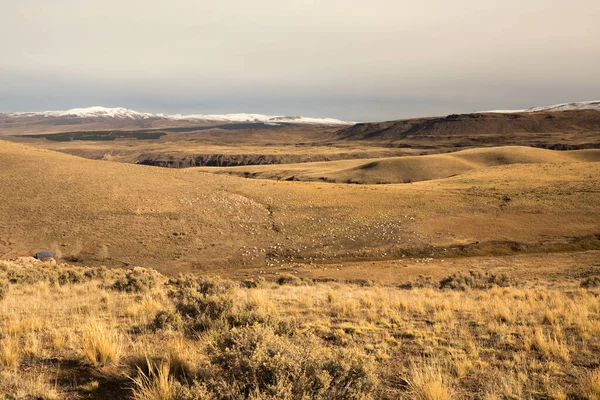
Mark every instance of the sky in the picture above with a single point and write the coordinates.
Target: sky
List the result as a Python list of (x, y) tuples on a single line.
[(351, 59)]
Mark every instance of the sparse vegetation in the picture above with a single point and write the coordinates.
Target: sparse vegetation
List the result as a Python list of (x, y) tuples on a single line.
[(475, 280), (210, 338), (591, 282), (288, 279), (137, 280), (3, 288), (255, 362)]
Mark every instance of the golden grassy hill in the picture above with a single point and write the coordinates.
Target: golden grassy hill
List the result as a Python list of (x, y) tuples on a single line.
[(118, 214), (409, 169)]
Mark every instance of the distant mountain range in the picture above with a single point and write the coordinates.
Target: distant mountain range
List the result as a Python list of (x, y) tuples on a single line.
[(580, 105), (124, 113), (119, 118)]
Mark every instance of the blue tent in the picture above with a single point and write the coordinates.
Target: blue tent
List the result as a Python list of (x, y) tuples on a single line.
[(43, 254)]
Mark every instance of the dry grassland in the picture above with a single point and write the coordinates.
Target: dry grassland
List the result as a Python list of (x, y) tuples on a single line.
[(72, 332), (96, 212), (408, 169)]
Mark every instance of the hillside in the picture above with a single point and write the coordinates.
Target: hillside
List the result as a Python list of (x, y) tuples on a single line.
[(263, 144), (410, 168), (555, 130), (217, 146), (118, 214)]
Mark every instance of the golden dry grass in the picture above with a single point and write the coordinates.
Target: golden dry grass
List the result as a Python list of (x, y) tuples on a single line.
[(428, 383), (408, 169), (183, 220), (79, 332), (156, 384), (590, 385), (100, 345), (534, 339)]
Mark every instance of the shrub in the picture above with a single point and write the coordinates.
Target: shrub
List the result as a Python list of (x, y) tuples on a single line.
[(100, 273), (475, 280), (3, 289), (203, 310), (167, 319), (138, 280), (421, 282), (210, 304), (591, 282), (203, 303), (182, 281), (254, 283), (29, 273), (292, 280), (70, 276), (361, 282), (255, 362)]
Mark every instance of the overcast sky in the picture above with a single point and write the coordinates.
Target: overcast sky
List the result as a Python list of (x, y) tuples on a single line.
[(351, 59)]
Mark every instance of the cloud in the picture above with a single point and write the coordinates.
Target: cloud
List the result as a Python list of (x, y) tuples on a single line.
[(377, 58)]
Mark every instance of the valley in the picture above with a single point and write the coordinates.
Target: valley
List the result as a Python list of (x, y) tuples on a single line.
[(436, 257)]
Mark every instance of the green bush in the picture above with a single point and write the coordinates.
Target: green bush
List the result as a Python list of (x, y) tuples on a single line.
[(29, 274), (288, 279), (254, 283), (255, 362), (459, 281), (475, 280), (205, 304), (70, 275), (167, 319), (137, 280)]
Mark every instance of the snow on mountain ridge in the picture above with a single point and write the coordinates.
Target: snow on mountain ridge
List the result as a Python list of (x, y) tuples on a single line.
[(96, 111), (123, 113), (579, 105)]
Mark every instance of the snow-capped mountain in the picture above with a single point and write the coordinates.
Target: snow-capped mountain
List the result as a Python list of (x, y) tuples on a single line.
[(124, 113), (580, 105), (89, 112)]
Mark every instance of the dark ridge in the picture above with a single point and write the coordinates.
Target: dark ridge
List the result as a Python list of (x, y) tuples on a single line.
[(98, 136), (146, 134), (479, 127), (209, 160)]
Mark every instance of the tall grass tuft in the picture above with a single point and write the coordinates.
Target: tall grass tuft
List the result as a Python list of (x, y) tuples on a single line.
[(156, 384), (9, 352), (428, 383), (590, 385), (101, 345)]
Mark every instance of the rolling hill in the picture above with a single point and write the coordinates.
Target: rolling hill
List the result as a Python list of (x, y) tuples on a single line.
[(410, 168), (98, 212), (555, 130)]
